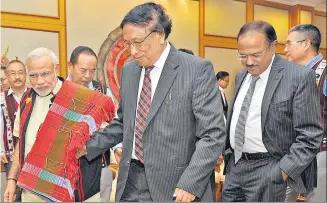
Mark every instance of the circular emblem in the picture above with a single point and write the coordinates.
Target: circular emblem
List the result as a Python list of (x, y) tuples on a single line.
[(111, 58)]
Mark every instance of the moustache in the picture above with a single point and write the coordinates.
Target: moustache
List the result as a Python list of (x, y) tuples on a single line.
[(250, 66), (17, 81)]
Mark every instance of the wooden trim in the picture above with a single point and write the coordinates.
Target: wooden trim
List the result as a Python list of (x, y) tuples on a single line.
[(294, 16), (207, 40), (249, 11), (201, 26), (305, 8), (271, 4), (323, 51), (43, 23), (320, 13)]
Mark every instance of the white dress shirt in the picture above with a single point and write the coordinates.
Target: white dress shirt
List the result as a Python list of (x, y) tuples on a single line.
[(155, 76), (253, 131), (17, 97), (224, 100)]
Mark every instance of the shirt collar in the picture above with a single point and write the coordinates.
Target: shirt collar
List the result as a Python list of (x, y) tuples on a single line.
[(221, 89), (90, 85), (11, 91), (57, 87), (159, 64), (314, 61)]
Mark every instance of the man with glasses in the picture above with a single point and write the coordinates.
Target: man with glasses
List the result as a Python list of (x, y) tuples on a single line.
[(274, 126), (10, 100), (170, 117), (302, 47), (82, 66), (55, 119)]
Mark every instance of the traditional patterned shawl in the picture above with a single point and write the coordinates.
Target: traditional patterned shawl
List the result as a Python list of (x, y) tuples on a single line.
[(51, 170), (9, 107)]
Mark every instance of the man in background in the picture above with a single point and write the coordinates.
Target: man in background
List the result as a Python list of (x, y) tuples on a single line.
[(302, 47), (10, 100), (4, 81), (82, 66), (223, 81)]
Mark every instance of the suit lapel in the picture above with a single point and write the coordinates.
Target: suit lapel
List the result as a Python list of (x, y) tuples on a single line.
[(167, 78), (237, 89), (134, 81), (273, 80)]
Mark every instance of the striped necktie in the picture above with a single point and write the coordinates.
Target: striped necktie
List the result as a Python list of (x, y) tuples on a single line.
[(143, 109), (240, 126)]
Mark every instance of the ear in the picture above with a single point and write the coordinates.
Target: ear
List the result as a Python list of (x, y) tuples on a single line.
[(162, 38), (307, 44), (70, 66), (274, 45), (57, 69)]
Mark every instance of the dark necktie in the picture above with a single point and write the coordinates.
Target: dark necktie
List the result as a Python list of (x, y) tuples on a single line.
[(240, 126), (142, 113)]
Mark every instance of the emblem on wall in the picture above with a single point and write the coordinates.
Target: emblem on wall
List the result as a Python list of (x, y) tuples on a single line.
[(111, 58)]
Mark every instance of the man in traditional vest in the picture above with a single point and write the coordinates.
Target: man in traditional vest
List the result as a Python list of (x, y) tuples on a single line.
[(58, 117), (10, 100), (82, 66), (302, 47)]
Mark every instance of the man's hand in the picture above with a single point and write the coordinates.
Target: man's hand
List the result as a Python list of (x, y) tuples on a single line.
[(10, 192), (81, 152), (118, 152), (4, 158), (285, 176), (183, 196)]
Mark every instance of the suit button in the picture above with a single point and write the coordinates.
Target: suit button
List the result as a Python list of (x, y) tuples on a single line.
[(127, 162)]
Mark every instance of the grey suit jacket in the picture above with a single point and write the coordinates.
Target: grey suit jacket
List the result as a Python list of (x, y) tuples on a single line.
[(184, 132), (290, 119)]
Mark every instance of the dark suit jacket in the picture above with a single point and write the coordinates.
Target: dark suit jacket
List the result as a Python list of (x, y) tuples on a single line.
[(290, 119), (225, 107), (184, 132)]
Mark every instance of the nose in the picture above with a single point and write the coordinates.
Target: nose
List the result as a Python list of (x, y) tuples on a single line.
[(249, 61), (88, 75), (40, 80), (285, 49), (133, 50)]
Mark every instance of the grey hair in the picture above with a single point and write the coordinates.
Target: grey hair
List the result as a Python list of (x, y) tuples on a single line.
[(311, 32), (41, 52)]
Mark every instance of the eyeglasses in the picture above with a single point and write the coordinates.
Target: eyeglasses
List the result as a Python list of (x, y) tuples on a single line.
[(84, 70), (244, 57), (137, 45), (289, 43), (13, 74), (45, 75)]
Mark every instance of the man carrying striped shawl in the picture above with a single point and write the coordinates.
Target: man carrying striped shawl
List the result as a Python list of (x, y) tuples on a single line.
[(58, 117)]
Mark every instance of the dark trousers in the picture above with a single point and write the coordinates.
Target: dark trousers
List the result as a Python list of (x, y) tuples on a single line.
[(254, 181), (18, 190), (136, 188)]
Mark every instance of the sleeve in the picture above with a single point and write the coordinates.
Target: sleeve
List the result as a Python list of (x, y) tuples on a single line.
[(110, 136), (210, 131), (307, 123)]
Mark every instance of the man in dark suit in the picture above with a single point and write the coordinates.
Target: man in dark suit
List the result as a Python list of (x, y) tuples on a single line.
[(274, 125), (170, 116), (223, 80), (302, 47)]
